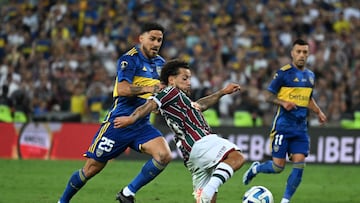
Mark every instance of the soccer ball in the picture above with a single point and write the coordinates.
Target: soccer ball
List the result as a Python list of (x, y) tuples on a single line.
[(258, 194)]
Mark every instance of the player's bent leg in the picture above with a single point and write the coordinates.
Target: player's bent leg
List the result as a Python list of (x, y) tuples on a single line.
[(277, 165), (80, 177), (159, 149), (235, 159), (250, 173), (223, 172), (269, 167), (93, 167)]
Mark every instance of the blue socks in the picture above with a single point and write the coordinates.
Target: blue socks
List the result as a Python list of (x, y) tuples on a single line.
[(77, 180), (294, 179), (149, 171), (269, 167)]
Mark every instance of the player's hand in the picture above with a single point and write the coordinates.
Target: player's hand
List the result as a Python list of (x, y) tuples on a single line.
[(322, 118), (123, 121), (158, 87), (196, 106), (231, 88), (288, 105)]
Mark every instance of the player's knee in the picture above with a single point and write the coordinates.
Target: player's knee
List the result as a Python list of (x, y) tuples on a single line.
[(235, 159), (92, 167), (299, 165), (278, 169), (164, 157)]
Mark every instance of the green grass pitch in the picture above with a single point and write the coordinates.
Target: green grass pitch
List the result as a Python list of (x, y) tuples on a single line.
[(35, 181)]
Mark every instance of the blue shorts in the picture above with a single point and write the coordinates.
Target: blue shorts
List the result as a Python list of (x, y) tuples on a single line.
[(289, 142), (110, 142)]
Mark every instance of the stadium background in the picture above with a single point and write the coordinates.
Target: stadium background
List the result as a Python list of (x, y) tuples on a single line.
[(58, 57), (55, 72), (58, 60)]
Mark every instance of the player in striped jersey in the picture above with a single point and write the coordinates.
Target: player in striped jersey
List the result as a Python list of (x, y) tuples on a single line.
[(137, 78), (211, 159), (291, 89)]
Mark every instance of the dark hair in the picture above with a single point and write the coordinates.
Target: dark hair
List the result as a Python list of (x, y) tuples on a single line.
[(300, 42), (146, 27), (171, 68)]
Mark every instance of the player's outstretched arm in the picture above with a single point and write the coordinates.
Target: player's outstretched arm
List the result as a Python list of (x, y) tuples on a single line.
[(140, 112), (205, 102)]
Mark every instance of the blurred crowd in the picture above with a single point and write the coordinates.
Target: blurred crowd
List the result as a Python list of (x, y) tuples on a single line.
[(60, 55)]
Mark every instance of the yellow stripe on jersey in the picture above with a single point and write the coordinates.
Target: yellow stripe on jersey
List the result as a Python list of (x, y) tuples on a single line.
[(2, 42), (286, 67), (272, 135), (99, 136), (132, 51), (275, 119), (298, 95), (143, 81), (115, 92)]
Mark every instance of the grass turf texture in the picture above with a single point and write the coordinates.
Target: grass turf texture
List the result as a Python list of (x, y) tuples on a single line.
[(35, 181)]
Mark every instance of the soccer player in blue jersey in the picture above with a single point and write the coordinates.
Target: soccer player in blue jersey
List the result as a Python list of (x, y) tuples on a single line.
[(291, 90), (137, 78), (211, 159)]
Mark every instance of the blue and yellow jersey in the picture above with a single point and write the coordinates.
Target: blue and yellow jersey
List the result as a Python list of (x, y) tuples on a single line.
[(2, 44), (43, 46), (140, 71), (293, 85)]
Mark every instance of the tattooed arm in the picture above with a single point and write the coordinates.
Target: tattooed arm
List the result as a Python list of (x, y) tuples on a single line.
[(140, 112), (205, 102), (272, 98), (127, 89)]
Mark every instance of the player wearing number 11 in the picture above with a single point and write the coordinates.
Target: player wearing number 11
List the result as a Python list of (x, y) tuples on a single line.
[(291, 90)]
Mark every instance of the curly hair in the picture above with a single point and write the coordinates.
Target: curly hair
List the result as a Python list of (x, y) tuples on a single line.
[(171, 68)]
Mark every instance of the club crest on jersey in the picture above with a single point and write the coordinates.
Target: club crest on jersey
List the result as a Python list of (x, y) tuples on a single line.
[(158, 70), (311, 81), (99, 152), (124, 64), (275, 76), (276, 148)]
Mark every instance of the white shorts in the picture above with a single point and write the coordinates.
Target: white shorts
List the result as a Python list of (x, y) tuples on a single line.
[(205, 155)]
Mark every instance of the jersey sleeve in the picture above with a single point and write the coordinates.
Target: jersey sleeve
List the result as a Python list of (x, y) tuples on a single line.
[(167, 96), (276, 82), (126, 68), (312, 81)]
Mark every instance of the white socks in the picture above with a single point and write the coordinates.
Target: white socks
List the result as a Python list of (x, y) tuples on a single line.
[(283, 200), (221, 174), (128, 192)]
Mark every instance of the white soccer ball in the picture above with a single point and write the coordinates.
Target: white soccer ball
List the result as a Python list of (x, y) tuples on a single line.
[(258, 194)]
